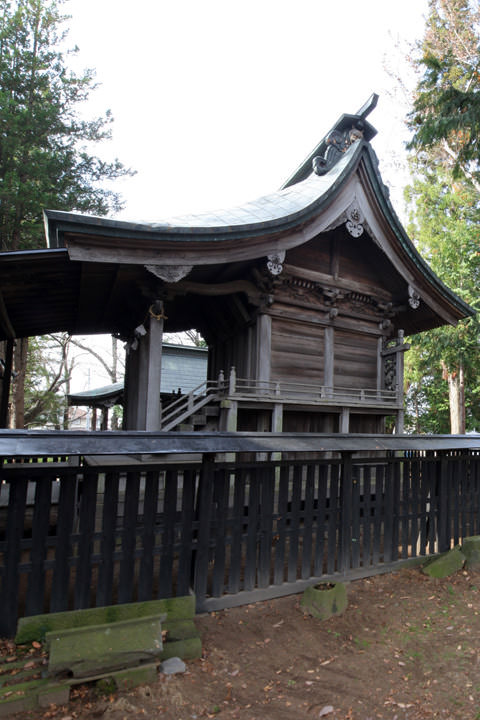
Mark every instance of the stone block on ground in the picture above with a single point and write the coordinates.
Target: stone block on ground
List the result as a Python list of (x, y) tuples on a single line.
[(445, 564), (101, 648), (324, 600), (172, 666), (35, 627), (471, 550)]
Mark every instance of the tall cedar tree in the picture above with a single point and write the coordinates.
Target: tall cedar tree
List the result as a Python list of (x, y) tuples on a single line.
[(446, 162), (44, 142)]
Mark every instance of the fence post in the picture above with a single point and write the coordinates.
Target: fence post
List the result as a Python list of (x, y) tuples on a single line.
[(204, 511), (346, 480), (443, 506), (13, 538)]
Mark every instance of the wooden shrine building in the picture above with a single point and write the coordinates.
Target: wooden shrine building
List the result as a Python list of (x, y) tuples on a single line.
[(303, 296)]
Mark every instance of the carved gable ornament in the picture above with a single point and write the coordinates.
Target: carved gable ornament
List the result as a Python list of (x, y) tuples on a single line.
[(355, 220)]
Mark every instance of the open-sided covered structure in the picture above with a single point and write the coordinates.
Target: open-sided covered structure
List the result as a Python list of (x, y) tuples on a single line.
[(307, 293)]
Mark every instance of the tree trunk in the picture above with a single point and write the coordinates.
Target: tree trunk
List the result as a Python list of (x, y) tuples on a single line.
[(17, 417)]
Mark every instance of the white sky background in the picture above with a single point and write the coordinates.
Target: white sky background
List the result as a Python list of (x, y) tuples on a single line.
[(218, 102)]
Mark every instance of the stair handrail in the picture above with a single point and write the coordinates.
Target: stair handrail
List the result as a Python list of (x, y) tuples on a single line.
[(187, 405)]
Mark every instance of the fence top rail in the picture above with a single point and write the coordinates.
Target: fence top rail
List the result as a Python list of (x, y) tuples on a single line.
[(36, 443)]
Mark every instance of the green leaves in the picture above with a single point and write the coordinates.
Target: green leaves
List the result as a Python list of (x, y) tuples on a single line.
[(44, 161)]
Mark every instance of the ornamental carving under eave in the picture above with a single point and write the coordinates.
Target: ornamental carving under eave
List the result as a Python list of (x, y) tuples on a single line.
[(275, 262), (169, 273), (413, 298)]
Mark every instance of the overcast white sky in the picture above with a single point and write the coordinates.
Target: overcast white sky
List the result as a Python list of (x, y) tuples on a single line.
[(218, 102)]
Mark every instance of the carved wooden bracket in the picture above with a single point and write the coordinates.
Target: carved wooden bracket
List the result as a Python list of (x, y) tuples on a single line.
[(169, 273)]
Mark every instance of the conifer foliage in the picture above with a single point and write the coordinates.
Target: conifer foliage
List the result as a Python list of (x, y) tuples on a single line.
[(44, 142), (442, 373)]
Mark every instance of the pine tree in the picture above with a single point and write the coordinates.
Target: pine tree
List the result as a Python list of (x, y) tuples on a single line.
[(446, 111), (45, 158), (446, 215)]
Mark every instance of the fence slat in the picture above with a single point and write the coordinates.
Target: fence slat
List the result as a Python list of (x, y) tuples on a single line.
[(265, 547), (40, 526), (105, 594), (83, 567), (165, 579), (129, 537), (281, 526), (185, 580), (308, 522), (150, 509), (66, 517), (12, 555)]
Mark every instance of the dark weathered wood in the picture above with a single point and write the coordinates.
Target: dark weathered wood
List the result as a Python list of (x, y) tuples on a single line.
[(256, 522), (250, 575), (83, 566), (12, 555), (66, 516), (321, 512), (203, 537), (389, 513), (40, 526), (147, 560), (165, 579), (308, 522), (294, 522), (345, 542), (379, 511), (126, 580), (281, 534), (185, 558), (237, 528), (221, 501), (333, 530), (105, 594), (266, 521), (356, 535)]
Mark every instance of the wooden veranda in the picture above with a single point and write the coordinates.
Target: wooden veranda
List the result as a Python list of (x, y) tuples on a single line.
[(220, 514)]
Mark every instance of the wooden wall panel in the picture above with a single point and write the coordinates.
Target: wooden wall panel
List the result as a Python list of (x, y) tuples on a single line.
[(297, 352), (355, 360)]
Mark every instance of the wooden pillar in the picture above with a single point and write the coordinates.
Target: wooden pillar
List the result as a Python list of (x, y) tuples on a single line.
[(104, 420), (277, 425), (264, 347), (7, 378), (328, 369), (345, 420), (143, 375)]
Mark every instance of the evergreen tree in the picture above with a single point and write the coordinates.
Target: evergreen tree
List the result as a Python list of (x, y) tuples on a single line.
[(446, 214), (44, 157), (445, 225), (446, 111)]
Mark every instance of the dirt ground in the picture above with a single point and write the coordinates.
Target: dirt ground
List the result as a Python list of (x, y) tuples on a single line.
[(407, 647)]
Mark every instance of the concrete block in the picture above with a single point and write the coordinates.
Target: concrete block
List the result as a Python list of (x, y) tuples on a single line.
[(54, 695), (188, 649), (323, 601), (101, 648), (36, 627), (132, 677), (471, 550), (445, 564)]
